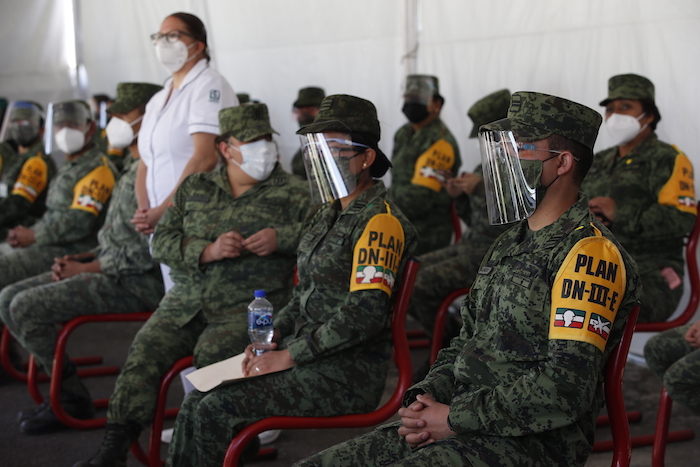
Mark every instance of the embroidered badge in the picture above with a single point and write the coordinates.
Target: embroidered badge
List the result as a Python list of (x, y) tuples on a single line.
[(439, 157), (32, 180), (214, 95)]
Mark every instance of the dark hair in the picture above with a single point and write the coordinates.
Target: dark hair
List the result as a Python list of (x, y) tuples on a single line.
[(380, 165), (583, 153), (102, 98), (649, 107), (196, 28), (438, 97)]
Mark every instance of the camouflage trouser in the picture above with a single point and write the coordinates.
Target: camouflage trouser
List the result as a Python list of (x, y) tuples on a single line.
[(207, 422), (442, 272), (21, 263), (658, 301), (157, 346), (677, 364), (31, 308), (383, 447)]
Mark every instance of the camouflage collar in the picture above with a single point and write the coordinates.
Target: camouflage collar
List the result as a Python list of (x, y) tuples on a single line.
[(365, 198)]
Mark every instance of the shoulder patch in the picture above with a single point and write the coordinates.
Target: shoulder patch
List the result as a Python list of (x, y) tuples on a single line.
[(587, 292), (377, 254), (32, 179), (679, 190), (439, 156), (93, 190)]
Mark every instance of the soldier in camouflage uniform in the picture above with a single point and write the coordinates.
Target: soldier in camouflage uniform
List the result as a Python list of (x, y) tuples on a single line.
[(225, 235), (674, 356), (119, 276), (454, 267), (643, 190), (26, 172), (334, 334), (305, 110), (76, 201), (523, 382), (422, 149)]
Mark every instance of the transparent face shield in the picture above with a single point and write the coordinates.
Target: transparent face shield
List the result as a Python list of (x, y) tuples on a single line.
[(419, 90), (22, 123), (328, 158), (510, 191)]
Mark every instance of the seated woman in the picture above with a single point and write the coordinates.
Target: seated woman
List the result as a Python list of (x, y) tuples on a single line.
[(332, 340), (226, 234)]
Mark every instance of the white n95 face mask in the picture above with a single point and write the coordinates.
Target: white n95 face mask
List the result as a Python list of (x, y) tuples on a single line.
[(120, 133), (623, 128), (69, 140), (259, 158), (173, 56)]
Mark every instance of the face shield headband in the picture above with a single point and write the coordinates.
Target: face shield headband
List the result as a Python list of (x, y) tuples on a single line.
[(327, 161)]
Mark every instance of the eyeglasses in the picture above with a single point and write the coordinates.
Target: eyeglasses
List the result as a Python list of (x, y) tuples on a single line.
[(531, 147), (171, 37)]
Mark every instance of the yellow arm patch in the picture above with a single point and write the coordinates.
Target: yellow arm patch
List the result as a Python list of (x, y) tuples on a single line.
[(587, 292), (679, 190), (377, 254), (93, 190), (439, 156), (32, 179)]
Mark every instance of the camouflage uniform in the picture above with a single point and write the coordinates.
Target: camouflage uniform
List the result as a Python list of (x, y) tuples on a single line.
[(524, 379), (74, 213), (653, 189), (677, 364), (505, 382), (129, 282), (428, 209), (25, 203), (340, 342), (454, 267), (205, 313)]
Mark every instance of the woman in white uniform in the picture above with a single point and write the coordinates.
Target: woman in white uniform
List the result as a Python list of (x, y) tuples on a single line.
[(181, 121)]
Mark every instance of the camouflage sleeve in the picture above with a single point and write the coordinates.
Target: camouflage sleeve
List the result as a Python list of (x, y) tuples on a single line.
[(65, 226), (285, 318), (673, 213), (169, 244), (463, 207), (131, 257), (289, 235)]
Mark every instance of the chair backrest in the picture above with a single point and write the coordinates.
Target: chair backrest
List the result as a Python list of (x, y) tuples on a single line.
[(440, 319), (402, 357), (691, 262), (456, 223), (619, 425)]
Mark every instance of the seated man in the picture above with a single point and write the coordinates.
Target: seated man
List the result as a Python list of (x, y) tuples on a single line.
[(454, 267), (119, 276), (423, 148), (75, 202), (227, 233), (643, 190), (25, 173), (523, 382), (674, 356)]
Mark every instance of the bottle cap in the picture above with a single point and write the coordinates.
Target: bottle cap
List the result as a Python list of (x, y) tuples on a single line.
[(259, 294)]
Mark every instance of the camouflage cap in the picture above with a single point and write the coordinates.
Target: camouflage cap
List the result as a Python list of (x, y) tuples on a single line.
[(243, 97), (75, 111), (422, 84), (350, 114), (489, 109), (132, 95), (629, 86), (26, 110), (245, 122), (533, 116), (310, 97)]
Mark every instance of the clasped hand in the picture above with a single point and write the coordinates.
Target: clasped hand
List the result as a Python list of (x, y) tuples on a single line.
[(20, 237), (424, 421), (231, 244)]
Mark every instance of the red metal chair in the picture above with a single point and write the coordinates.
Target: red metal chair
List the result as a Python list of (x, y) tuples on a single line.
[(58, 362), (402, 358), (662, 436), (621, 443), (440, 319)]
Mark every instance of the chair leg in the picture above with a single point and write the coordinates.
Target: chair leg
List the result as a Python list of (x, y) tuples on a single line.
[(662, 436)]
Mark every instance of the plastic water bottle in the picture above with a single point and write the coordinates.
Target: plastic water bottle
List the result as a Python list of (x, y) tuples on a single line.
[(260, 328)]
